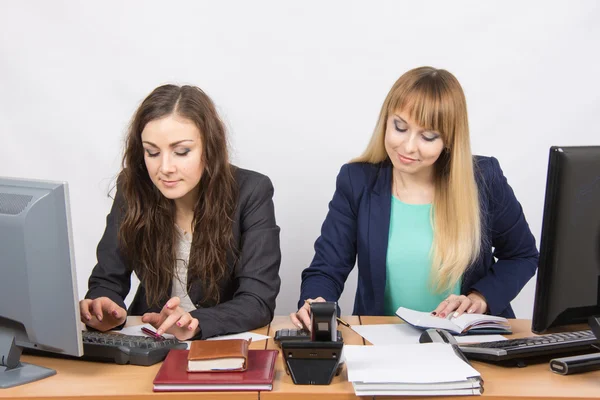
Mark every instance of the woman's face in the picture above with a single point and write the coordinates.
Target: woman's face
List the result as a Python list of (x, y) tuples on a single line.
[(411, 148), (173, 156)]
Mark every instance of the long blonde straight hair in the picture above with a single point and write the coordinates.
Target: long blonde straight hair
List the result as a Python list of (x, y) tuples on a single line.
[(434, 99)]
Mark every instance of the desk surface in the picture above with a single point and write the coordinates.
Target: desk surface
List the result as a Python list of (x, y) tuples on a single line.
[(77, 379)]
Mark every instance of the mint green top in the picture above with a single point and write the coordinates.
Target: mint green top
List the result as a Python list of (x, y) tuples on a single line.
[(408, 262)]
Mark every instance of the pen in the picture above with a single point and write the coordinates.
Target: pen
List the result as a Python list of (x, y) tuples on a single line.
[(151, 333)]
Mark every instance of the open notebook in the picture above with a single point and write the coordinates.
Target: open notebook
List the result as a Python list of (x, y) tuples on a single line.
[(465, 324), (432, 369)]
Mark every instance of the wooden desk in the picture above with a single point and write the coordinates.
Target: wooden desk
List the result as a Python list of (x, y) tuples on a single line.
[(75, 380), (530, 383), (91, 381)]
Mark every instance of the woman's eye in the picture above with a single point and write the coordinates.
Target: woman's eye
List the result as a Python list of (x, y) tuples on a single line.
[(430, 138), (150, 154), (398, 127), (182, 153)]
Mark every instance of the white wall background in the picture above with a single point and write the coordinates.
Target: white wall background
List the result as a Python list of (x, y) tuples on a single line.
[(299, 84)]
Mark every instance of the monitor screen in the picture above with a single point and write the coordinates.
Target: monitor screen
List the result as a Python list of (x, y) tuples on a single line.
[(38, 290), (568, 280)]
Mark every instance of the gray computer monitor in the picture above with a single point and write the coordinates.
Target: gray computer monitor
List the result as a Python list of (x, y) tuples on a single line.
[(38, 286)]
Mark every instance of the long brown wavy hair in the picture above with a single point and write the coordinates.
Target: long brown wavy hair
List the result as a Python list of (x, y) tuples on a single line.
[(147, 234)]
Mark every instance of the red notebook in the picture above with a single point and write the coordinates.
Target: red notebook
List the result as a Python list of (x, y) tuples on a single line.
[(173, 376)]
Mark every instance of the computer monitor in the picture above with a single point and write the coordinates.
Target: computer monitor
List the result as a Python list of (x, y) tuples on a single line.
[(568, 280), (38, 287)]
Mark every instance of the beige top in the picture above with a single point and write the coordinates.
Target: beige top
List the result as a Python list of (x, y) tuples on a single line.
[(179, 286)]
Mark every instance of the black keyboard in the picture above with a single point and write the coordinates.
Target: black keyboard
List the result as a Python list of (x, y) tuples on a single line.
[(297, 335), (529, 349), (119, 348)]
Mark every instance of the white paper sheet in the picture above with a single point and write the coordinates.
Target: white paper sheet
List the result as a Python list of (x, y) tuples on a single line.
[(244, 335), (407, 363), (388, 333)]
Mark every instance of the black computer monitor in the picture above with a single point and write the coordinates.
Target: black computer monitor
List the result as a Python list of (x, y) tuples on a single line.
[(568, 280), (38, 287)]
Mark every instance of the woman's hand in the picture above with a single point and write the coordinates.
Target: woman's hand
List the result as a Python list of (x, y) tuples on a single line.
[(301, 318), (473, 303), (102, 313), (174, 320)]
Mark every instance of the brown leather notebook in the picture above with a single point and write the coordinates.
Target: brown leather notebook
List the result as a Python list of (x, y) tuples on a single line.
[(218, 355)]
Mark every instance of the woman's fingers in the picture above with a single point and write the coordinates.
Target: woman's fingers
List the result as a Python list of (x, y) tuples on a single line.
[(303, 314), (152, 318), (304, 317), (173, 319), (479, 305), (465, 304), (84, 310), (193, 325), (168, 322), (173, 303), (295, 320), (451, 305), (440, 307), (184, 321), (101, 313), (439, 310), (301, 318), (96, 308)]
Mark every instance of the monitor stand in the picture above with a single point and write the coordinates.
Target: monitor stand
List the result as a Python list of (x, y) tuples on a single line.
[(13, 372)]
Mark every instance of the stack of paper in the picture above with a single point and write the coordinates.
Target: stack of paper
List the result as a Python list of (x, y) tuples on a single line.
[(410, 369)]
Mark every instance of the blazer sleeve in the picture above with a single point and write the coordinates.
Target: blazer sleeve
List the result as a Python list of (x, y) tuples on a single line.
[(513, 243), (110, 277), (335, 249), (256, 274)]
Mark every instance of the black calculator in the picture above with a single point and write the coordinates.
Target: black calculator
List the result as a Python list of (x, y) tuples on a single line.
[(297, 335)]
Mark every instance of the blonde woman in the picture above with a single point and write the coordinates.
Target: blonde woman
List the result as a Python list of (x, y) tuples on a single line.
[(433, 228)]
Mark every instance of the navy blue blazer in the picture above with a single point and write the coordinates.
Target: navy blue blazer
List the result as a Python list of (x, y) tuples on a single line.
[(358, 224)]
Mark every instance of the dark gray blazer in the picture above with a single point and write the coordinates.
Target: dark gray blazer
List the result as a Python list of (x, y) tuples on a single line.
[(247, 297)]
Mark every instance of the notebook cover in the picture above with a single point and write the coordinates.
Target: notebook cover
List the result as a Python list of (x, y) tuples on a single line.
[(202, 350), (173, 376)]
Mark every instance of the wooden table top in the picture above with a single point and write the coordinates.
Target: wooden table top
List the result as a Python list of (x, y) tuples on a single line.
[(88, 380)]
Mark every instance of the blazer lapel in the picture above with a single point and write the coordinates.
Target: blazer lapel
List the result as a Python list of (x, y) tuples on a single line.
[(379, 228)]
